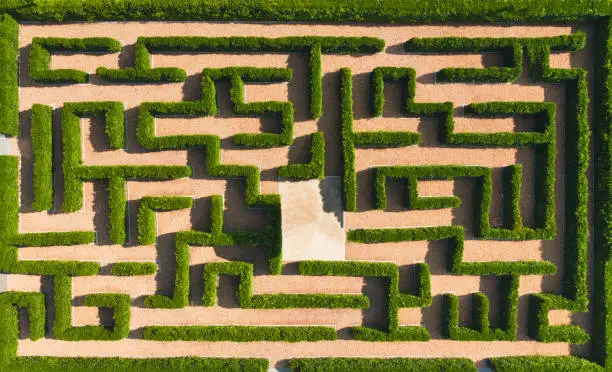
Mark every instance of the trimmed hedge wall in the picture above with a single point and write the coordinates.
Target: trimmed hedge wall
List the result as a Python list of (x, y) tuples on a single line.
[(543, 363), (455, 263), (602, 202), (146, 221), (539, 328), (42, 154), (315, 168), (392, 331), (9, 321), (244, 271), (62, 326), (139, 364), (480, 329), (9, 76), (381, 364), (510, 49), (133, 268), (271, 238), (482, 198), (349, 177), (40, 57), (239, 333), (313, 45), (75, 173)]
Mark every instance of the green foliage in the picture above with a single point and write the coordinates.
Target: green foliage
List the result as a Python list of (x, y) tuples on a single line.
[(40, 57), (75, 173), (239, 333), (9, 196), (480, 329), (543, 363), (138, 364), (62, 327), (49, 239), (245, 44), (381, 364), (142, 71), (315, 168), (42, 154), (9, 322), (244, 271), (392, 331), (539, 328), (147, 228), (349, 178), (133, 268), (602, 166), (510, 49), (315, 83), (9, 78)]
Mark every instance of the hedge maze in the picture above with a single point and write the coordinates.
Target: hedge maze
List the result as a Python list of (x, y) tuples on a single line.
[(568, 137)]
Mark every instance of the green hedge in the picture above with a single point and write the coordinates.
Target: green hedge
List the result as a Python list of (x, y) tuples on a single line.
[(62, 326), (543, 363), (480, 329), (75, 173), (271, 238), (9, 222), (391, 330), (134, 268), (42, 154), (239, 333), (313, 45), (49, 239), (315, 168), (244, 271), (455, 263), (602, 172), (315, 81), (147, 227), (9, 76), (381, 364), (349, 178), (138, 364), (510, 49), (385, 11), (245, 44), (142, 71), (40, 57), (9, 321), (539, 328)]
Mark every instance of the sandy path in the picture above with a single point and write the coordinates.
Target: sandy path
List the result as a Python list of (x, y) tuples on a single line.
[(237, 215)]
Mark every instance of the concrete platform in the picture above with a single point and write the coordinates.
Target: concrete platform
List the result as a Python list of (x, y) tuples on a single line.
[(313, 224)]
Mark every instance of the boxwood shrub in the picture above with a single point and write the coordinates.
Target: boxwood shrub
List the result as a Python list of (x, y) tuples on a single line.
[(40, 57), (42, 154), (480, 329), (147, 228), (239, 333), (244, 272), (9, 321), (9, 98), (391, 330), (133, 268), (315, 168), (381, 364), (566, 363), (62, 326)]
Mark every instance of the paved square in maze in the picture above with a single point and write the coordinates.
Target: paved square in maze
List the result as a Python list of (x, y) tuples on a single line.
[(245, 196)]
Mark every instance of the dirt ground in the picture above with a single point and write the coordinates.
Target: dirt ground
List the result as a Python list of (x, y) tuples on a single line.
[(95, 212)]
